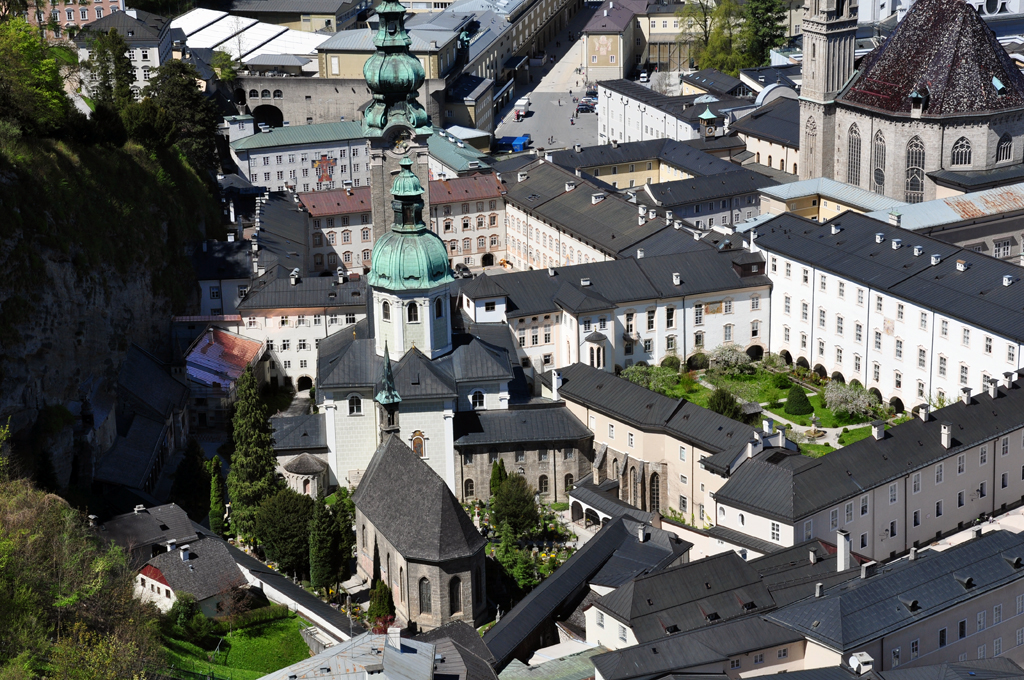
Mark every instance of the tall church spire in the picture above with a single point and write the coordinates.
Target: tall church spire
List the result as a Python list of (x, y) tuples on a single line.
[(394, 77), (387, 394)]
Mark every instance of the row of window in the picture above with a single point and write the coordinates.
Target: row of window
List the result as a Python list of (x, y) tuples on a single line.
[(467, 224), (447, 208), (305, 157), (332, 259), (412, 311), (345, 221), (320, 186)]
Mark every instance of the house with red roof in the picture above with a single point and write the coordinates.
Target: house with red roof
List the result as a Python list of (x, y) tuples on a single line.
[(213, 365)]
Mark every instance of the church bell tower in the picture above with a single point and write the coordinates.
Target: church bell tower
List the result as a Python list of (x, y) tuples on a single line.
[(395, 123), (830, 38)]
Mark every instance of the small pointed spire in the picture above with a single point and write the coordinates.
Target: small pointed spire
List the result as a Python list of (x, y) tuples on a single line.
[(387, 394)]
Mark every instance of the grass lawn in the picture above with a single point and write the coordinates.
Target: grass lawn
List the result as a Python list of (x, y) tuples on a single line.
[(856, 434), (245, 654), (825, 416), (698, 394), (815, 450), (332, 499)]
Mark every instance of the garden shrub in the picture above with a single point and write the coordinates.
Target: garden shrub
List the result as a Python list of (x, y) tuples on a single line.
[(797, 403), (670, 362), (781, 381), (697, 362)]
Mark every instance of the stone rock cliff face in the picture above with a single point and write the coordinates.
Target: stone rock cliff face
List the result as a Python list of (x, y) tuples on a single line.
[(79, 329)]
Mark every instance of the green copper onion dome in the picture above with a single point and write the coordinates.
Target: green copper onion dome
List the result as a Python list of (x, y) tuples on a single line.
[(393, 75), (410, 256)]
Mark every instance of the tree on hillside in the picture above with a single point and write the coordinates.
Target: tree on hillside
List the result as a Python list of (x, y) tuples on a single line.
[(111, 70), (721, 401), (324, 546), (251, 479), (174, 88), (224, 65), (146, 123), (191, 488), (498, 475), (216, 497), (764, 28), (282, 523), (32, 94), (514, 504)]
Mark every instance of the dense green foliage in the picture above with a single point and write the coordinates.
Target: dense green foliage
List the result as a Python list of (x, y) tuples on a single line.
[(514, 504), (382, 604), (192, 116), (65, 596), (224, 65), (31, 87), (657, 378), (251, 479), (345, 516), (111, 71), (217, 491), (764, 28), (282, 524), (191, 488), (325, 539), (498, 475), (797, 403), (721, 401), (724, 36), (672, 362)]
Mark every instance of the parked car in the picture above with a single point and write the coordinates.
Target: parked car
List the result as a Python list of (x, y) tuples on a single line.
[(584, 108), (592, 92), (644, 77), (462, 271)]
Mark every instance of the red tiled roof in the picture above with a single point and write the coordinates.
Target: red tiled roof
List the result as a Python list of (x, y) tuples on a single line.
[(151, 572), (233, 349), (943, 48), (219, 357), (337, 201), (472, 188)]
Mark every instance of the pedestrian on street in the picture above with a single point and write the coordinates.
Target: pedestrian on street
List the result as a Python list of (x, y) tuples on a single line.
[(559, 102), (577, 83)]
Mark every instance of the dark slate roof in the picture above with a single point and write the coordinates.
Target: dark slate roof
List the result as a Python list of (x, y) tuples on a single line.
[(616, 18), (683, 192), (976, 296), (462, 634), (738, 538), (483, 286), (274, 290), (210, 569), (659, 550), (701, 273), (428, 525), (223, 260), (150, 526), (682, 107), (981, 669), (287, 6), (132, 456), (141, 28), (650, 411), (766, 75), (510, 426), (417, 376), (145, 385), (305, 432), (790, 575), (946, 47), (714, 644), (348, 358), (564, 585), (860, 611), (305, 464), (777, 121), (668, 242), (679, 154), (604, 497), (713, 80), (688, 596), (978, 180)]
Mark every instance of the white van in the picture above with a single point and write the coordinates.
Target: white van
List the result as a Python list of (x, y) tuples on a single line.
[(644, 77), (523, 104)]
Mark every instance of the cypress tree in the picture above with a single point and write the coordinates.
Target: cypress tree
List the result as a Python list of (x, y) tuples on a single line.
[(498, 476), (216, 497), (797, 403), (381, 603), (251, 479), (345, 518), (324, 542)]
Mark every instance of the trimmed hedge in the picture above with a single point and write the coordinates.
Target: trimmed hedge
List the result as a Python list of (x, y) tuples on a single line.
[(797, 403)]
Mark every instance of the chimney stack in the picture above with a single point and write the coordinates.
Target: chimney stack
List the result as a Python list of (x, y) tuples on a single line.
[(965, 395), (184, 553), (867, 569), (947, 434), (768, 425), (640, 251), (993, 388), (1008, 380), (813, 557), (394, 639), (677, 278), (878, 429), (913, 554), (556, 384), (139, 508), (842, 550), (819, 589), (641, 534), (895, 219), (922, 412), (836, 229)]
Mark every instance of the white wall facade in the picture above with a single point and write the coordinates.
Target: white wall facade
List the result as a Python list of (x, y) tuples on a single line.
[(291, 167)]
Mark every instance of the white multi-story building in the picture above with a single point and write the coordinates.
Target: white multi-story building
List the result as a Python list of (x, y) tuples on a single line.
[(911, 318), (468, 213), (302, 158), (339, 228), (148, 37)]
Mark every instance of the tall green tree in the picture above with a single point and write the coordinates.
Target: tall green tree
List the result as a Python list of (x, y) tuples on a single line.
[(251, 479), (722, 51), (345, 517), (31, 87), (111, 71), (216, 497), (324, 546), (498, 475), (764, 28), (382, 603), (146, 123), (721, 401), (282, 523), (191, 487), (514, 505), (507, 552), (174, 87), (696, 21)]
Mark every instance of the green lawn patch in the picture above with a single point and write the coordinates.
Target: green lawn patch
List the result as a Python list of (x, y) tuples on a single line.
[(559, 507), (245, 654), (89, 102), (855, 435), (815, 450), (698, 394), (826, 417), (332, 499)]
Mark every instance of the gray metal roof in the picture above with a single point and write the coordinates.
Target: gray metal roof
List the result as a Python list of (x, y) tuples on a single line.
[(132, 456), (604, 497), (483, 286), (135, 26), (779, 484), (980, 669), (305, 464), (738, 538), (679, 154), (276, 59), (223, 260), (287, 6), (555, 423), (145, 386), (305, 432), (683, 192), (976, 296), (317, 133), (860, 611), (777, 121), (840, 192), (137, 531), (274, 290), (429, 525), (458, 158), (363, 655), (955, 209), (713, 80), (210, 570)]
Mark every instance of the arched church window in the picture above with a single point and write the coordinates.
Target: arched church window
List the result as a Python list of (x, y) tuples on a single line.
[(424, 596), (417, 443), (961, 152), (355, 405), (542, 484), (253, 94), (634, 487), (568, 483), (853, 156), (878, 164), (811, 135), (469, 488), (413, 312), (615, 468), (655, 505), (455, 595), (265, 94), (477, 399), (438, 309), (1004, 151), (914, 192), (385, 311)]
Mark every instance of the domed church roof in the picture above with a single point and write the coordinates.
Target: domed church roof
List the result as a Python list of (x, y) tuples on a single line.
[(410, 256), (944, 57)]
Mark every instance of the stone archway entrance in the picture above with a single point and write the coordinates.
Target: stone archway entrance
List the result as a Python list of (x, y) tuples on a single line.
[(269, 114), (304, 383)]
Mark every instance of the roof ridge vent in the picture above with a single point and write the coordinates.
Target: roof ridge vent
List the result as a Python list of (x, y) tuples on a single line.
[(523, 176), (836, 229), (909, 602), (962, 265), (879, 237), (936, 258), (596, 198), (918, 251), (585, 281), (897, 243), (1008, 279), (964, 580)]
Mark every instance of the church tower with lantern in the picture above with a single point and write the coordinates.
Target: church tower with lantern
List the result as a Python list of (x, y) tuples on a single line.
[(395, 123)]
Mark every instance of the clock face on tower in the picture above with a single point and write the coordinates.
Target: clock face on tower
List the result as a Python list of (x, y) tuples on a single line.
[(399, 141)]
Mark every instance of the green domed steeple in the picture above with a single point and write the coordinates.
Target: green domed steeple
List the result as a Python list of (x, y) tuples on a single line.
[(394, 77), (410, 256)]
